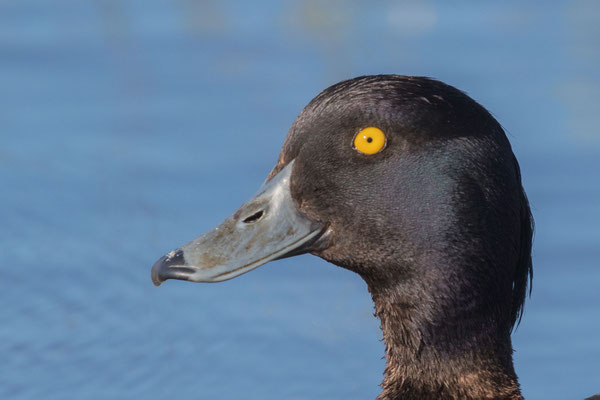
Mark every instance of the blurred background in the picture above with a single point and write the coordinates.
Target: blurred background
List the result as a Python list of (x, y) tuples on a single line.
[(130, 127)]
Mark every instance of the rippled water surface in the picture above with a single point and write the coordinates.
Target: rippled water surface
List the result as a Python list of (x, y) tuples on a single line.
[(129, 127)]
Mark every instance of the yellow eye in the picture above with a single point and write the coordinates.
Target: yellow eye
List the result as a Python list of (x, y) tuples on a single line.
[(369, 140)]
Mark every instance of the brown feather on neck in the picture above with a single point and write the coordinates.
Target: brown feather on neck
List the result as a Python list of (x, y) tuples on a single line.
[(417, 368)]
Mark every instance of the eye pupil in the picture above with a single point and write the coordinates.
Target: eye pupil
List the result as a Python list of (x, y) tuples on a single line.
[(369, 139)]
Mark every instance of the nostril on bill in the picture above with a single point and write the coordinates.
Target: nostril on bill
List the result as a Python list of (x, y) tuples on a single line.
[(254, 217)]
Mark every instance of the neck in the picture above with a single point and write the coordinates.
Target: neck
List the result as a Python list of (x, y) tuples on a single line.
[(441, 358)]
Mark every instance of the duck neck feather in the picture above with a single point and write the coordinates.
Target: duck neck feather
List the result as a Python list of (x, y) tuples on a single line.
[(448, 358)]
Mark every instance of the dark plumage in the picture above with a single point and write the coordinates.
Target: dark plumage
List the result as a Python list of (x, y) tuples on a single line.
[(437, 224)]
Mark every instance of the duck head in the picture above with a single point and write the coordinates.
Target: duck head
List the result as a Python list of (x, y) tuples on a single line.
[(413, 185)]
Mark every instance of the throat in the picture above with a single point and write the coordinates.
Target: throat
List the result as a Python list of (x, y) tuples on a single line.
[(433, 357)]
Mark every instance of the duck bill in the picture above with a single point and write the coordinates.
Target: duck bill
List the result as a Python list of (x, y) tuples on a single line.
[(267, 227)]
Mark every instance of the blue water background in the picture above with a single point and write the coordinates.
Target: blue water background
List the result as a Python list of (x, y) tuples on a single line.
[(130, 127)]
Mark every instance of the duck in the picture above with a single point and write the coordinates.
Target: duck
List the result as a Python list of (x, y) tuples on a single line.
[(413, 185)]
